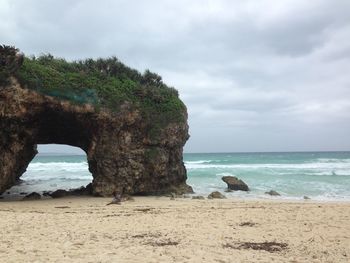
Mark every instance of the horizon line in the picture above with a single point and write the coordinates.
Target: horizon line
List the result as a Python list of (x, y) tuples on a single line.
[(308, 151)]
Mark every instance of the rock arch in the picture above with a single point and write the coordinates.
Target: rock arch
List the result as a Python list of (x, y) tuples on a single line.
[(120, 154)]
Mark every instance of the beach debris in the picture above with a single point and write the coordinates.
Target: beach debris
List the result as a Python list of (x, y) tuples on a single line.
[(172, 196), (162, 243), (32, 196), (272, 193), (247, 224), (62, 207), (234, 183), (144, 210), (306, 197), (216, 195), (117, 198), (147, 235), (267, 246), (199, 197), (127, 198)]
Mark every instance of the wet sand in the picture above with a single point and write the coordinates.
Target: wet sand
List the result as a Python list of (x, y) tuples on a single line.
[(152, 229)]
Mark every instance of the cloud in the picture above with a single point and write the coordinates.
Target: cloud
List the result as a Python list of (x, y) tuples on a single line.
[(255, 75)]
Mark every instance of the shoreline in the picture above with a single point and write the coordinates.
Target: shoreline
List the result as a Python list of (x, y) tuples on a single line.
[(157, 229), (13, 197), (18, 198)]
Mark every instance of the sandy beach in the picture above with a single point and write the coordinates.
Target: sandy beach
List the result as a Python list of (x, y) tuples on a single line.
[(152, 229)]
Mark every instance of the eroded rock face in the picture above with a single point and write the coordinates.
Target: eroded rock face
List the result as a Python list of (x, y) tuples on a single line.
[(120, 154)]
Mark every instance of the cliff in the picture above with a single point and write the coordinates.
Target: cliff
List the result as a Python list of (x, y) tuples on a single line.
[(132, 127)]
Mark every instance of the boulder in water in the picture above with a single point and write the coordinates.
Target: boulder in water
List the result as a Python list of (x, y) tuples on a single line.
[(234, 183)]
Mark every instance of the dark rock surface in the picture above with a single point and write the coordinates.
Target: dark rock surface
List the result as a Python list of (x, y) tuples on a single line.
[(59, 193), (121, 154), (32, 196), (234, 183), (216, 195), (84, 190), (273, 193)]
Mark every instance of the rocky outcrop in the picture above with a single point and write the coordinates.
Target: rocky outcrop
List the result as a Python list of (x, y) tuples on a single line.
[(233, 183), (122, 153)]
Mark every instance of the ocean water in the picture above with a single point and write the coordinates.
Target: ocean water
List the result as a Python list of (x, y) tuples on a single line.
[(318, 175)]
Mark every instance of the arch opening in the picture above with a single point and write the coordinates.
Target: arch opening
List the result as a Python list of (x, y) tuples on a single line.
[(55, 166)]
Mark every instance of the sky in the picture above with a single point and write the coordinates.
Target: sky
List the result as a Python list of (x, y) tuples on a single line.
[(256, 75)]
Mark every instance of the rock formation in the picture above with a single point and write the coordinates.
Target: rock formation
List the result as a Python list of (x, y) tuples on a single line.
[(233, 183), (128, 151)]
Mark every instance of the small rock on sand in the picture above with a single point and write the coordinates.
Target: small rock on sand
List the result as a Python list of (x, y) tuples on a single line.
[(216, 195), (32, 196), (273, 193)]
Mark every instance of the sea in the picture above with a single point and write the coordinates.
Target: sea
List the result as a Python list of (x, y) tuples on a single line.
[(322, 176)]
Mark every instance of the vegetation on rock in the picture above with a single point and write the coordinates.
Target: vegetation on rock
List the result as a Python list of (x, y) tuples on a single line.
[(104, 83)]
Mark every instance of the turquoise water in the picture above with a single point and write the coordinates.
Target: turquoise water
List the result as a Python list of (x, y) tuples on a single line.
[(319, 175)]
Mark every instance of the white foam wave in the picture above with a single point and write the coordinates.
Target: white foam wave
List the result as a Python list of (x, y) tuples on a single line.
[(58, 166), (321, 166), (333, 160), (46, 176), (198, 162)]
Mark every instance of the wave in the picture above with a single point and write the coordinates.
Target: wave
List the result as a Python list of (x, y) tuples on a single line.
[(271, 166), (58, 166), (332, 160), (45, 176), (198, 162)]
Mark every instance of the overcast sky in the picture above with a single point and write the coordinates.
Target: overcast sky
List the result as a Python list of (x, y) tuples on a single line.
[(264, 75)]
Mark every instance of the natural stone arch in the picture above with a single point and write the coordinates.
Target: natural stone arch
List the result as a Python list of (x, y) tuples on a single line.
[(120, 154)]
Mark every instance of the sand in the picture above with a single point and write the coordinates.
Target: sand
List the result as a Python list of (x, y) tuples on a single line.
[(152, 229)]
